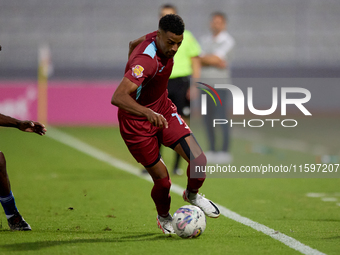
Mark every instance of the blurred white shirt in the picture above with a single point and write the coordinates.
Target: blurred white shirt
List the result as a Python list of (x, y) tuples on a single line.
[(221, 46)]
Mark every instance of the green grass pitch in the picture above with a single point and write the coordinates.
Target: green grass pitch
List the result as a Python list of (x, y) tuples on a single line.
[(77, 204)]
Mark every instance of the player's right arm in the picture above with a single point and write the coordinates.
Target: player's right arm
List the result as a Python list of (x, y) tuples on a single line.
[(122, 99), (6, 121), (23, 125)]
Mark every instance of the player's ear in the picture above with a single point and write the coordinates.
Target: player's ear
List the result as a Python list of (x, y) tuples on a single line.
[(158, 33)]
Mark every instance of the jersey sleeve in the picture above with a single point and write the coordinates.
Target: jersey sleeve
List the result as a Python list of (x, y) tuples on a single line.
[(140, 68)]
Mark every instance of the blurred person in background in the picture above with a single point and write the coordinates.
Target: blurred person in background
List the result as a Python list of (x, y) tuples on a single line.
[(186, 69), (215, 60), (15, 220)]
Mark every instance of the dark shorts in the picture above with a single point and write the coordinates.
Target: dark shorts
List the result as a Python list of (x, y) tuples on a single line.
[(143, 139), (177, 89)]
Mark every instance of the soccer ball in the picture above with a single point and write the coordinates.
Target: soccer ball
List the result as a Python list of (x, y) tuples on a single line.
[(189, 221)]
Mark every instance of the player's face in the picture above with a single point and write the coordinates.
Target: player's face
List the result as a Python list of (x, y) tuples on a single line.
[(217, 24), (169, 43)]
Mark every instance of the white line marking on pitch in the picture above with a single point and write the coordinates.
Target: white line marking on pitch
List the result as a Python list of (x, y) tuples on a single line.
[(103, 156), (330, 197), (315, 194)]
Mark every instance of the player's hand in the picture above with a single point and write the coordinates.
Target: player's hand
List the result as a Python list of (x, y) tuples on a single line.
[(32, 126), (157, 119)]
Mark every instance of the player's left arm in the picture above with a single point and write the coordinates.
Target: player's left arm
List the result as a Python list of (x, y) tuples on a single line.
[(133, 44), (23, 125)]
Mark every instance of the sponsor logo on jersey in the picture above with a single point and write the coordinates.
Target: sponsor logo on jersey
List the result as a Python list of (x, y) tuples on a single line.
[(137, 71)]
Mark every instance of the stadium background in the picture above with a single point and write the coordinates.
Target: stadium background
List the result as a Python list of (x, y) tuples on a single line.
[(74, 186), (89, 39)]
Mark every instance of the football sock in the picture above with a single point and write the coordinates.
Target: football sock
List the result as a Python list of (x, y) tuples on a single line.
[(195, 183), (8, 203), (161, 196)]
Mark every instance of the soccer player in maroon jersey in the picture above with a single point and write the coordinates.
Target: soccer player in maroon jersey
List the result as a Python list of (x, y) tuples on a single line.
[(15, 220), (148, 118)]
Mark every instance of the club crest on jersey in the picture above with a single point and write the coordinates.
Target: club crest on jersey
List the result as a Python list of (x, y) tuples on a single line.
[(137, 71)]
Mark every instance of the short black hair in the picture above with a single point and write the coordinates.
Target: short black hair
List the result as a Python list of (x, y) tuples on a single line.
[(172, 23)]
